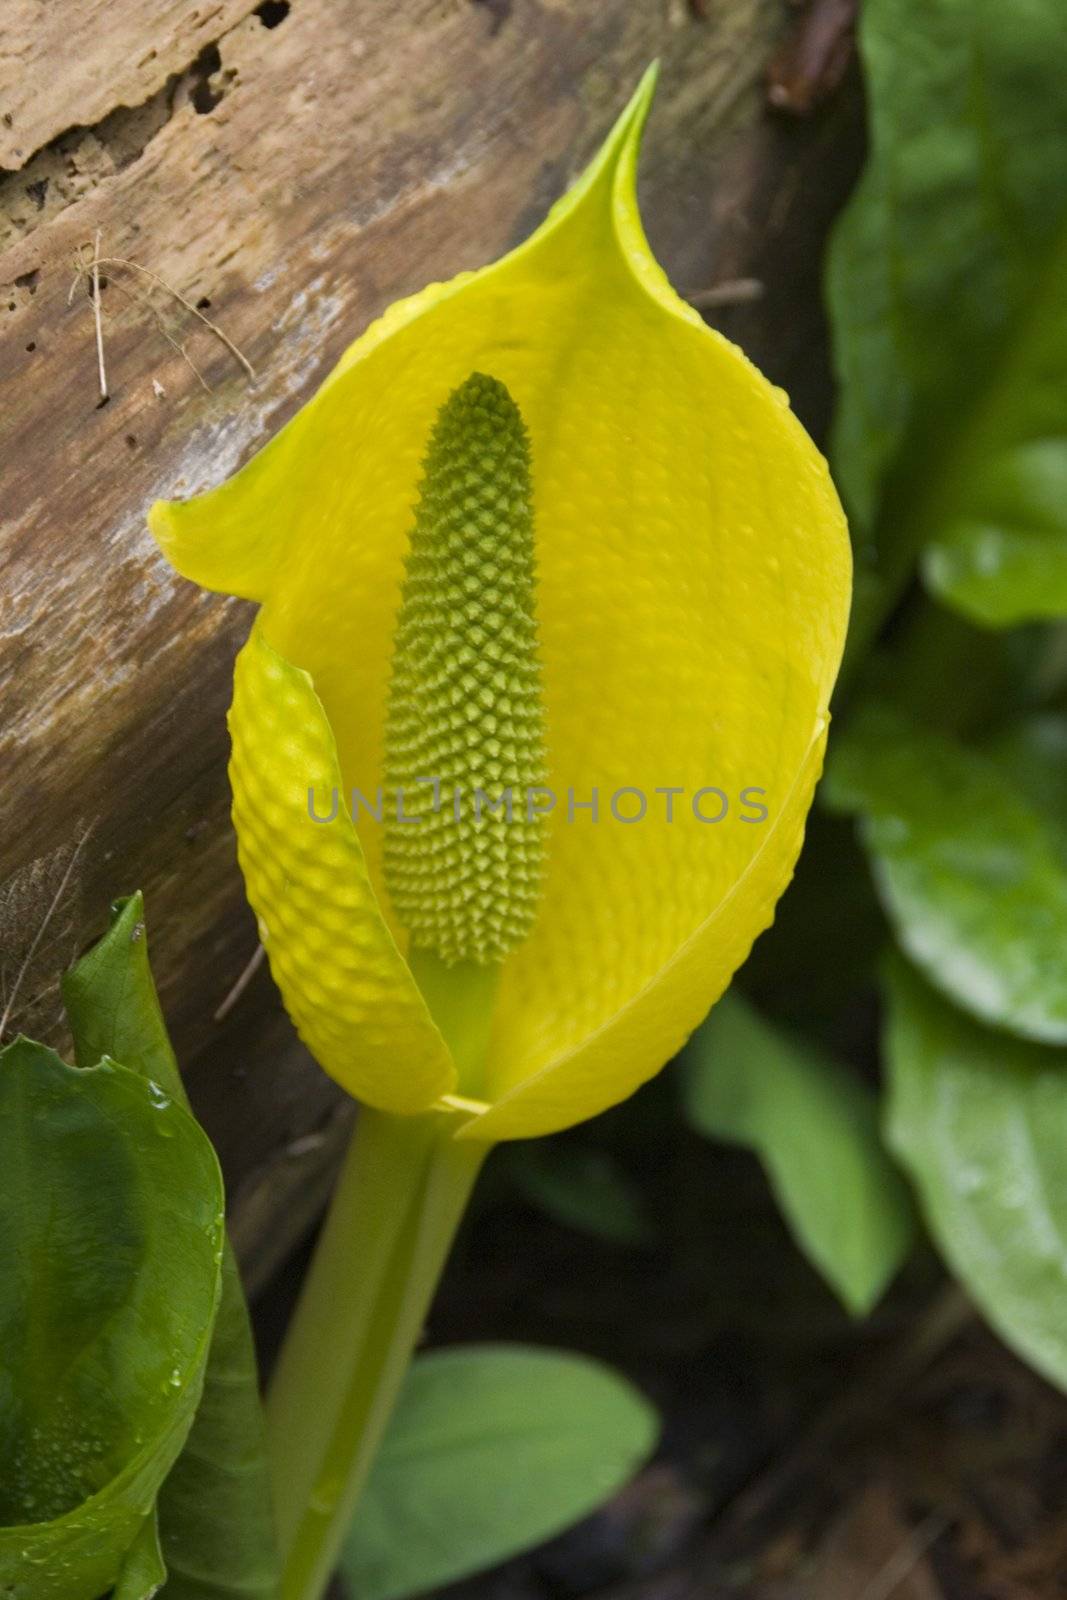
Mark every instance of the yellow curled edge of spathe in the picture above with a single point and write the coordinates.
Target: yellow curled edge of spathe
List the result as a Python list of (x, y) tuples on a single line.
[(345, 984)]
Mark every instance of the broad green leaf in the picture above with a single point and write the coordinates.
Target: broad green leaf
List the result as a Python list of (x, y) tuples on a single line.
[(214, 1509), (980, 1120), (971, 874), (491, 1450), (143, 1572), (815, 1128), (583, 1188), (947, 288), (110, 1249)]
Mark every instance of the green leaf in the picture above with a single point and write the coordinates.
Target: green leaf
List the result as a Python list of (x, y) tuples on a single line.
[(815, 1128), (970, 873), (1032, 753), (112, 1005), (1000, 554), (143, 1573), (214, 1510), (491, 1450), (947, 288), (581, 1187), (111, 1222), (980, 1120)]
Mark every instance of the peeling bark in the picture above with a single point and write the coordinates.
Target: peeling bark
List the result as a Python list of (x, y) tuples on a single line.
[(69, 64)]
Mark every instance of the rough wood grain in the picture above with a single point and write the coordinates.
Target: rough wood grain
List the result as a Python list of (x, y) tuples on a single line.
[(295, 169), (60, 68)]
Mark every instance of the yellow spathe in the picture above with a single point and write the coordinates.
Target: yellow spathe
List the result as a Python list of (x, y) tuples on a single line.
[(693, 588)]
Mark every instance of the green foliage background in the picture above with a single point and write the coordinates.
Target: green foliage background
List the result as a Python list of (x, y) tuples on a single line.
[(947, 292)]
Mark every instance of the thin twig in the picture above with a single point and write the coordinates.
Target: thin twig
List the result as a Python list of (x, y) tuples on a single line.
[(82, 269), (241, 985), (98, 318), (903, 1561), (38, 936), (91, 268), (154, 312), (732, 292), (135, 266)]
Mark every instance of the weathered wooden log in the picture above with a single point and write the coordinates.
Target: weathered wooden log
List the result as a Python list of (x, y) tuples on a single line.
[(286, 170)]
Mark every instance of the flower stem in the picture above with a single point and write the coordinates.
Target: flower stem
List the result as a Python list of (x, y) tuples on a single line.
[(401, 1194)]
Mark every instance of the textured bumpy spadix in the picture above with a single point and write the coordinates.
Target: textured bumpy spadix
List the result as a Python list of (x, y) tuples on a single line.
[(692, 594), (464, 737)]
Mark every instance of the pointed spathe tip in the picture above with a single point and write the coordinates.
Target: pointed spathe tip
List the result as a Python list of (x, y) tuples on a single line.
[(626, 133)]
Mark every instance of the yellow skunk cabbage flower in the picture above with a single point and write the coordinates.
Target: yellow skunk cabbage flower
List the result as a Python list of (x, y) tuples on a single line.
[(690, 604)]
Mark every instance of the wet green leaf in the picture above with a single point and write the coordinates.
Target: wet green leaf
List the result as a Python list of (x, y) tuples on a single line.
[(491, 1450), (947, 288), (980, 1120), (971, 873), (815, 1128), (143, 1572), (111, 1223), (214, 1509)]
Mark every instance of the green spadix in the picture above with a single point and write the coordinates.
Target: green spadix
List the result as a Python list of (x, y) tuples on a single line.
[(464, 745)]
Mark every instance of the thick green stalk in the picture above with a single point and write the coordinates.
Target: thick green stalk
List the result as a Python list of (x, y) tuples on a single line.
[(399, 1200)]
